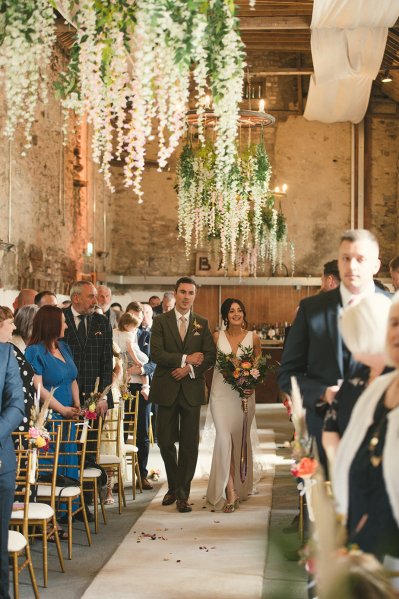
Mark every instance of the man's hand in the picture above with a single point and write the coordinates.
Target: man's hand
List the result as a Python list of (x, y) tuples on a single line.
[(102, 407), (179, 373), (134, 370), (195, 359), (330, 393)]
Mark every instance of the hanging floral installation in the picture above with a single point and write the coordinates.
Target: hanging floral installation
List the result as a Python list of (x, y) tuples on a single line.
[(130, 70), (240, 221)]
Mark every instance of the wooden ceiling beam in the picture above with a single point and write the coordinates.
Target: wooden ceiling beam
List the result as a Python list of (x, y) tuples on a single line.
[(276, 22)]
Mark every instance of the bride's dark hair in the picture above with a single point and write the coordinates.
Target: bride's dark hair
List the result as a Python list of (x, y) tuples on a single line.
[(225, 309)]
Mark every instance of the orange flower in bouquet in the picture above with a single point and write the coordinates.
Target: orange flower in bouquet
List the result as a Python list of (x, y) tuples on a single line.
[(305, 468)]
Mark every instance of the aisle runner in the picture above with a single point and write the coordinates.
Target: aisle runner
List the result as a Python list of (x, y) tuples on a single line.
[(202, 554)]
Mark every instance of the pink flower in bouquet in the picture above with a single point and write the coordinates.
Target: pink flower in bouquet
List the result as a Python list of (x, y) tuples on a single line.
[(305, 468), (33, 433), (90, 415), (255, 373)]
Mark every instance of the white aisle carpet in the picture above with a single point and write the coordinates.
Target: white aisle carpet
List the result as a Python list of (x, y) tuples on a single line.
[(202, 554)]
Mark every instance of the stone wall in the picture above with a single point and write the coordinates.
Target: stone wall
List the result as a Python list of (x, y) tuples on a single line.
[(58, 201)]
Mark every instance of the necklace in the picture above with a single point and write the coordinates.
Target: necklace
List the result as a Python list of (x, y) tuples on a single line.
[(375, 440)]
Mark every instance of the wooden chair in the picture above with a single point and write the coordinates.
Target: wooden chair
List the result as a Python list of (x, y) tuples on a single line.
[(17, 541), (109, 456), (130, 424), (71, 457), (92, 475), (41, 516)]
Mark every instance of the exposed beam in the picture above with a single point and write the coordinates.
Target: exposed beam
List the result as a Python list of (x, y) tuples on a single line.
[(278, 22)]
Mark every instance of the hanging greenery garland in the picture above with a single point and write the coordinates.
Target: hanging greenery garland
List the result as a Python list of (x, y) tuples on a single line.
[(240, 220), (131, 65)]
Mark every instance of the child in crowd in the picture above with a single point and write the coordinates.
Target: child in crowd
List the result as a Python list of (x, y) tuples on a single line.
[(125, 337)]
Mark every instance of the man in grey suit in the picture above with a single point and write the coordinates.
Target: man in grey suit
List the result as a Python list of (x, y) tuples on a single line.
[(183, 349), (314, 352), (11, 414)]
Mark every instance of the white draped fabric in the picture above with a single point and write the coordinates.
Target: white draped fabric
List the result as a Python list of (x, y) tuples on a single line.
[(348, 42)]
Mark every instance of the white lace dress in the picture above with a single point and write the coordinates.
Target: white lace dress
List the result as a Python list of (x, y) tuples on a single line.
[(225, 406)]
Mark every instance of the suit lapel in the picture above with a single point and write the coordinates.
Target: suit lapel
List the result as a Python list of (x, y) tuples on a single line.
[(172, 323), (189, 332), (332, 312)]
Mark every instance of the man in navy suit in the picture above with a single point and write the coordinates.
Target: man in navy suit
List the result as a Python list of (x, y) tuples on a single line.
[(314, 352), (11, 414), (89, 335), (143, 421)]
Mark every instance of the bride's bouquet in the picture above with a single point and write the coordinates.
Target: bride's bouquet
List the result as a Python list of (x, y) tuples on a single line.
[(243, 372)]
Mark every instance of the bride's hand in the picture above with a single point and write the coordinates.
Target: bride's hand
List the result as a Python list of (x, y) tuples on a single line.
[(248, 392)]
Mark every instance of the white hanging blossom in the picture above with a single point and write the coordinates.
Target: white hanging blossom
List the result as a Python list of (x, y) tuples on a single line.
[(24, 60)]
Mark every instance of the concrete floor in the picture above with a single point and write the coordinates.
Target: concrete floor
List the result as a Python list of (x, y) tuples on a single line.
[(283, 579)]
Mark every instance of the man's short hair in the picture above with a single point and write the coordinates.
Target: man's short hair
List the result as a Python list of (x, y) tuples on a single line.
[(359, 235), (39, 296), (331, 268), (134, 307), (116, 305), (168, 295), (394, 264), (76, 287), (185, 280)]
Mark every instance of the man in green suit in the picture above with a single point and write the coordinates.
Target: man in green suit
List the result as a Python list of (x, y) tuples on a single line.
[(183, 349)]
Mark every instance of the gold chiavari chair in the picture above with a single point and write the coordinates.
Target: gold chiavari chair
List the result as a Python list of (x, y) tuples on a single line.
[(17, 541), (109, 456), (69, 497), (41, 516), (130, 420), (92, 475)]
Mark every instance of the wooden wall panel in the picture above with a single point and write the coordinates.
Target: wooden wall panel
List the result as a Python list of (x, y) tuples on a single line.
[(263, 304)]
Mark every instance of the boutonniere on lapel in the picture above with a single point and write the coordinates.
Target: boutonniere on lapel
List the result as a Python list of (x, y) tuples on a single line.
[(98, 333), (196, 327)]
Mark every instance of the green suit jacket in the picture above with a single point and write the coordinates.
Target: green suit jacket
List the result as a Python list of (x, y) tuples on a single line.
[(167, 350)]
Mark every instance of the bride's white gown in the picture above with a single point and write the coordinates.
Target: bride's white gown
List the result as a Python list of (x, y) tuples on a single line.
[(225, 406)]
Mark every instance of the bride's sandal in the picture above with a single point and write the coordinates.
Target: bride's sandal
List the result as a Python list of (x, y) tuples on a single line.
[(228, 508), (236, 503)]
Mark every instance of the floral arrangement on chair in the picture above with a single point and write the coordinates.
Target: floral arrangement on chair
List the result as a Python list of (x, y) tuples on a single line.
[(38, 436), (89, 407)]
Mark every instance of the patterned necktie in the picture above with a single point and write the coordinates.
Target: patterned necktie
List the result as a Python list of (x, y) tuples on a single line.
[(82, 328), (182, 328)]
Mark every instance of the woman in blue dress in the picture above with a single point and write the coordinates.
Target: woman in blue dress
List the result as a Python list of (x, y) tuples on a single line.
[(53, 365)]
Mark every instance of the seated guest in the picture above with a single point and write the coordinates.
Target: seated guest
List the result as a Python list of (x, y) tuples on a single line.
[(24, 297), (116, 306), (46, 298), (25, 369), (23, 326), (11, 414), (168, 303), (366, 467), (104, 296), (154, 301), (363, 327), (330, 278)]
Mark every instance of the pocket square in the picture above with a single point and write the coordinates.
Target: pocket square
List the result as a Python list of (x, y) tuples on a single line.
[(98, 333), (196, 333), (144, 344)]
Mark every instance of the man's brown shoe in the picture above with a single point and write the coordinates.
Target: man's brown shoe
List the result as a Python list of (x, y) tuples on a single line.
[(183, 506), (146, 485), (169, 498)]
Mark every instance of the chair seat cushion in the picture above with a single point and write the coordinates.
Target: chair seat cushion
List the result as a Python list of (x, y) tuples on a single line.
[(91, 473), (45, 491), (109, 459), (37, 511), (130, 448), (16, 541)]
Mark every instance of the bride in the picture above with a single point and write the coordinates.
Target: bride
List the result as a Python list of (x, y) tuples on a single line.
[(225, 489)]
